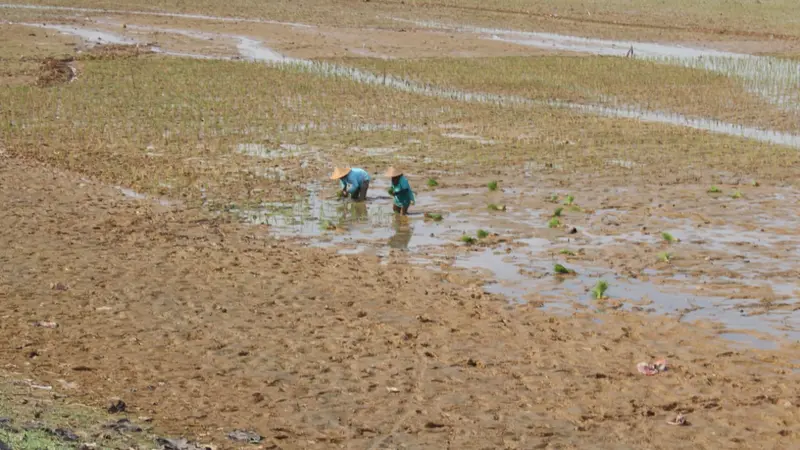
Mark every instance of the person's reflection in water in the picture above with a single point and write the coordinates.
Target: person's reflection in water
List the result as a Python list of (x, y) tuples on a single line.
[(360, 214), (402, 233)]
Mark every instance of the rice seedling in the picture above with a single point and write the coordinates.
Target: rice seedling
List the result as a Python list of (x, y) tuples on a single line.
[(492, 185), (599, 289), (558, 211), (575, 208), (561, 270), (736, 195), (554, 223), (755, 183), (469, 240), (665, 257), (434, 216), (714, 190), (432, 182), (567, 252), (553, 198), (327, 225), (569, 200), (494, 207), (668, 238), (483, 234)]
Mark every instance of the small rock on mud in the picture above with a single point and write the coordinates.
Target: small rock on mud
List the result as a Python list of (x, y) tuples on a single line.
[(123, 425), (117, 406), (64, 434), (244, 436), (179, 444)]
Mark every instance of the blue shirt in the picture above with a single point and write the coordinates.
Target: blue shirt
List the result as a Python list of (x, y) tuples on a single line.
[(403, 195), (354, 179)]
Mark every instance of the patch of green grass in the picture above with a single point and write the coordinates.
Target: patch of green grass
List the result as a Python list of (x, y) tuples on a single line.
[(668, 238), (554, 223), (599, 289), (469, 240), (558, 211), (432, 182), (665, 257), (569, 200), (714, 190), (562, 270), (566, 251), (483, 234), (492, 185)]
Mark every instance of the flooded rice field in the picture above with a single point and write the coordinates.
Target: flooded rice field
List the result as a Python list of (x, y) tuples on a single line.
[(741, 279), (774, 78)]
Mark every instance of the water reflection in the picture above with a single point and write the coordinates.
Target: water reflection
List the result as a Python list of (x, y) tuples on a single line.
[(403, 230)]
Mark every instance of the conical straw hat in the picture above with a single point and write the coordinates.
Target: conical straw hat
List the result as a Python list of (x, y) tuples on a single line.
[(391, 172), (339, 172)]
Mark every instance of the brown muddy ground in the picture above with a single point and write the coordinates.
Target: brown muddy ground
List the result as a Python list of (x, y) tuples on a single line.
[(208, 326)]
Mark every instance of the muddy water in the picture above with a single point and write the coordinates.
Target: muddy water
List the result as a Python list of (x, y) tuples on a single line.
[(520, 261)]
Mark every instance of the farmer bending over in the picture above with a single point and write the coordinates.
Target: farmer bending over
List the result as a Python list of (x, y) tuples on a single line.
[(401, 190), (356, 179)]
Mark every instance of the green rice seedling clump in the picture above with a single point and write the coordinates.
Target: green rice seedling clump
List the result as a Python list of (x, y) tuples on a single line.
[(492, 185), (599, 289), (561, 270), (665, 257), (568, 252), (558, 211), (483, 234), (432, 182), (714, 190), (554, 223), (570, 200), (493, 207), (469, 240)]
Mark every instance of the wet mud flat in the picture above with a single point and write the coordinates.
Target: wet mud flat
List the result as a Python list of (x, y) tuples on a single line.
[(208, 326), (724, 260)]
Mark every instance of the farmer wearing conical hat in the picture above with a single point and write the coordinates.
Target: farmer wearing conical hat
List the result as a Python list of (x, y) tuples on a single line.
[(354, 182), (400, 190)]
